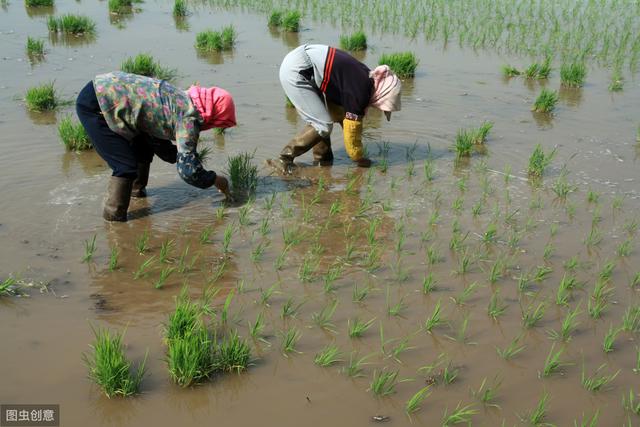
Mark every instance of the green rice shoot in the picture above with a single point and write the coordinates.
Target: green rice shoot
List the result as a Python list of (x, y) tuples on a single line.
[(216, 41), (73, 135), (42, 98), (354, 42), (71, 24), (35, 47), (243, 174), (573, 74), (180, 8), (404, 64), (539, 161), (546, 101), (144, 64)]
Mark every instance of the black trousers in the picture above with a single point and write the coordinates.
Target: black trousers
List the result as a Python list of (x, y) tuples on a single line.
[(121, 155)]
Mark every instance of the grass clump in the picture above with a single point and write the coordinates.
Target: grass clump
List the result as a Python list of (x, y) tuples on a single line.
[(275, 19), (404, 64), (354, 42), (109, 367), (42, 98), (243, 174), (572, 75), (145, 65), (464, 143), (232, 354), (546, 101), (510, 71), (73, 135), (539, 161), (216, 41), (71, 24), (38, 3), (180, 8), (35, 47), (291, 21), (120, 7)]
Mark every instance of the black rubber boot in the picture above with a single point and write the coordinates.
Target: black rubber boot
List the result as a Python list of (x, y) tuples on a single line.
[(118, 196), (139, 189), (322, 153), (299, 145)]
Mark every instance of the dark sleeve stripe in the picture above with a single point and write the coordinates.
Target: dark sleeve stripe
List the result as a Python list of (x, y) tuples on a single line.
[(328, 66)]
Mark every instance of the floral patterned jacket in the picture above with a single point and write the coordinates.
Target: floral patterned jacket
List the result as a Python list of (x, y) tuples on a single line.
[(133, 104)]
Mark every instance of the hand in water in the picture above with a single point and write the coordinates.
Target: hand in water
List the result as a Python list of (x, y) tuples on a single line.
[(222, 185), (364, 162)]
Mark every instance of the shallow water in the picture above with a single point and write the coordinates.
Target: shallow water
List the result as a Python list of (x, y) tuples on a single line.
[(52, 200)]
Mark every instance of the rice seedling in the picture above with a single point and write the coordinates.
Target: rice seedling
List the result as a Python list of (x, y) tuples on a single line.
[(146, 65), (597, 306), (291, 21), (631, 226), (221, 213), (607, 271), (89, 249), (512, 349), (510, 71), (429, 284), (414, 402), (625, 248), (588, 422), (256, 328), (290, 339), (119, 7), (143, 269), (487, 393), (460, 415), (435, 319), (539, 413), (404, 64), (456, 244), (278, 263), (384, 382), (258, 251), (568, 326), (224, 313), (180, 8), (636, 369), (275, 19), (594, 238), (232, 353), (531, 72), (226, 239), (164, 275), (38, 3), (354, 42), (243, 174), (618, 203), (190, 356), (9, 286), (216, 41), (479, 135), (552, 363), (328, 356), (467, 292), (322, 318), (292, 236), (428, 169), (541, 273), (635, 280), (359, 294), (476, 209), (539, 161), (243, 214), (563, 294), (597, 381), (461, 333), (290, 308), (631, 319), (548, 251), (76, 25), (546, 101), (205, 234), (533, 314), (113, 258), (142, 242), (457, 205), (184, 265), (35, 47), (355, 365), (610, 339), (464, 143), (397, 308), (42, 98), (357, 328), (109, 367), (496, 307), (572, 75), (307, 270), (165, 249), (631, 404)]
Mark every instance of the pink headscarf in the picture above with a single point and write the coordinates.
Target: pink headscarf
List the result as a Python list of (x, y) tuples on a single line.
[(386, 89), (215, 106)]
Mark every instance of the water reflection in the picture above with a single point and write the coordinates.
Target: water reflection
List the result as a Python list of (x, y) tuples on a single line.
[(181, 23), (90, 163), (71, 40), (543, 120), (42, 117), (570, 96), (36, 11), (215, 58)]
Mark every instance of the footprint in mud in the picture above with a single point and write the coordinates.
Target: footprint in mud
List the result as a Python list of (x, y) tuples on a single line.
[(100, 303)]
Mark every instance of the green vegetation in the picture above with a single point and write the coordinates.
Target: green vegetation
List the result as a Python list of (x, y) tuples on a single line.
[(404, 64), (291, 21), (413, 404), (232, 353), (354, 42), (180, 8), (71, 24), (572, 75), (120, 7), (539, 161), (546, 101), (464, 143), (42, 98), (35, 47), (460, 415), (109, 367), (145, 65), (510, 71), (243, 174), (73, 135), (328, 356), (38, 3), (89, 249), (216, 41), (275, 19)]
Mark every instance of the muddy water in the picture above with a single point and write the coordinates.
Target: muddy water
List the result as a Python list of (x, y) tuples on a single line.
[(51, 204)]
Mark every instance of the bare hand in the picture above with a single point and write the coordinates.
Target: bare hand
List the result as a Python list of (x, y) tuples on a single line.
[(364, 162), (222, 185)]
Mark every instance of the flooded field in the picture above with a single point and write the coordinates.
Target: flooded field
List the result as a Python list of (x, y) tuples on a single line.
[(512, 300)]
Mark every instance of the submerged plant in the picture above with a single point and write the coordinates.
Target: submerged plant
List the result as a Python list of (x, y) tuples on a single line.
[(510, 71), (546, 101), (404, 64), (354, 42), (146, 65), (216, 41), (42, 98), (109, 366), (73, 135)]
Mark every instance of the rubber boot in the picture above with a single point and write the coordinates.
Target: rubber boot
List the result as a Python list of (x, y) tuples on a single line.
[(139, 189), (299, 145), (322, 153), (118, 196)]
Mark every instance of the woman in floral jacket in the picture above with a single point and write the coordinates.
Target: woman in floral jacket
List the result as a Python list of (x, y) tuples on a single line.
[(129, 118)]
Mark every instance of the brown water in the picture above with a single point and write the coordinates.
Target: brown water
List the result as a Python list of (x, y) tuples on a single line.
[(52, 200)]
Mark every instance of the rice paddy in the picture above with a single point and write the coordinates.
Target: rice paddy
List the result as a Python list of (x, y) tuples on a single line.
[(482, 273), (404, 64), (76, 25), (42, 98), (73, 135), (354, 42), (146, 65), (216, 41)]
